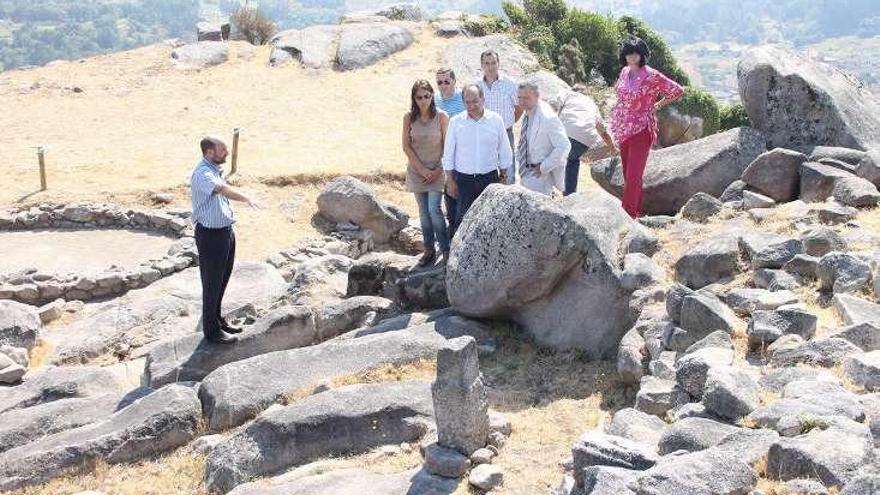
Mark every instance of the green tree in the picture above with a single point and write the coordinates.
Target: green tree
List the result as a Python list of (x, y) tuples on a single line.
[(570, 63), (545, 12), (661, 56)]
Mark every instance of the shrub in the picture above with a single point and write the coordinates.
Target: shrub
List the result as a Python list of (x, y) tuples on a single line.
[(699, 103), (252, 25), (597, 36), (485, 25), (733, 116)]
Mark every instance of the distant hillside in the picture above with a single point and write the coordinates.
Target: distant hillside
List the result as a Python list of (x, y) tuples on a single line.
[(34, 32), (798, 22)]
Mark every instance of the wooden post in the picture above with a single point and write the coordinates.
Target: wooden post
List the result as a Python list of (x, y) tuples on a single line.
[(41, 156), (235, 134)]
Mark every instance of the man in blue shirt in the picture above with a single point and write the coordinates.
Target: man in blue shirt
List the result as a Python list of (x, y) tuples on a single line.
[(449, 99), (213, 218)]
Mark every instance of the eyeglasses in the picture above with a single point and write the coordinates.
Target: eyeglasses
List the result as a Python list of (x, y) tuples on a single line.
[(424, 97), (444, 83)]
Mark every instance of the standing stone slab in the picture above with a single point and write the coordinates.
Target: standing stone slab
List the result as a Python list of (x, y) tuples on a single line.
[(460, 399), (191, 358), (351, 419), (161, 421)]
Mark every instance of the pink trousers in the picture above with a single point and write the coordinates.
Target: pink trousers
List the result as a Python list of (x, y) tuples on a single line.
[(634, 155)]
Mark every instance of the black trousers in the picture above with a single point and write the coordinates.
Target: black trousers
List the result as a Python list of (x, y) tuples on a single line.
[(216, 258), (469, 189)]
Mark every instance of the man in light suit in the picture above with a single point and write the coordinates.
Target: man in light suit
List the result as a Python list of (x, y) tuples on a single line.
[(543, 144)]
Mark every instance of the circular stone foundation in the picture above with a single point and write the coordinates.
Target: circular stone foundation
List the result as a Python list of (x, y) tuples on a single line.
[(87, 251)]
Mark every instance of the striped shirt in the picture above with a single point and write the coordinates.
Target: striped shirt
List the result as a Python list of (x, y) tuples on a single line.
[(453, 106), (210, 209), (501, 98)]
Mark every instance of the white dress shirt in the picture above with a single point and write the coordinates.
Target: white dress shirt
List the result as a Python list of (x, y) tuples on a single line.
[(477, 146), (580, 115), (548, 146)]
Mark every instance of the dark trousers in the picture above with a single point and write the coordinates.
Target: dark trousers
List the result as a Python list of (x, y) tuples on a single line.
[(573, 166), (469, 189), (216, 258), (451, 215)]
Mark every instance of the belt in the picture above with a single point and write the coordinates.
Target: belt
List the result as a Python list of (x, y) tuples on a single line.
[(202, 227), (532, 165), (474, 176)]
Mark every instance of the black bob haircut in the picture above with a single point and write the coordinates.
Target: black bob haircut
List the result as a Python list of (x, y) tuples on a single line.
[(634, 44)]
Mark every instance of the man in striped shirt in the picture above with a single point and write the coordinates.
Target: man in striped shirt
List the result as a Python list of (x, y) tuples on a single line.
[(501, 96), (213, 218)]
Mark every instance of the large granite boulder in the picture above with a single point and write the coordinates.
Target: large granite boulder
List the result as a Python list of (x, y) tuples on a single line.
[(348, 420), (201, 55), (416, 481), (56, 383), (191, 358), (549, 266), (800, 102), (238, 391), (157, 423), (19, 324), (170, 307), (22, 426), (313, 46), (364, 44), (673, 175), (346, 199), (776, 173)]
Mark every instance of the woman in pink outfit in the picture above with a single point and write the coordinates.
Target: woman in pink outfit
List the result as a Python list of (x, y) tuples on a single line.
[(634, 117)]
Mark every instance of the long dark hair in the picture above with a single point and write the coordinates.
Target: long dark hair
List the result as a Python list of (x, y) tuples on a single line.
[(634, 44), (414, 111)]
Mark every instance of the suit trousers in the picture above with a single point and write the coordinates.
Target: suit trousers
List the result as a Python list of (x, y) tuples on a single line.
[(469, 189), (216, 259)]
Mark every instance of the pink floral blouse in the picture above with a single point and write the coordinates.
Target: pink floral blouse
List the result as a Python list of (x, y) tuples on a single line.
[(634, 110)]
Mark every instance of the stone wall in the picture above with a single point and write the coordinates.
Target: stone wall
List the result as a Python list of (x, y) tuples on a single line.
[(34, 287)]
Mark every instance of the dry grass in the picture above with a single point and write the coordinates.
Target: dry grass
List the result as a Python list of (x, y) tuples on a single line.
[(179, 473), (550, 398), (423, 369), (136, 125)]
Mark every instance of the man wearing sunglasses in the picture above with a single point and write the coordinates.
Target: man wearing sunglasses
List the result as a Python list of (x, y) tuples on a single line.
[(449, 99)]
